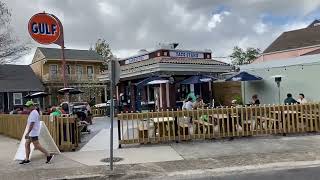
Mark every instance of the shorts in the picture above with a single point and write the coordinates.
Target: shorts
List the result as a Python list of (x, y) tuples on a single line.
[(33, 138)]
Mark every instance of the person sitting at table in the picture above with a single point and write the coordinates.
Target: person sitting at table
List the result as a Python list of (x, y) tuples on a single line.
[(189, 104), (199, 103), (55, 112), (255, 100), (289, 99), (234, 103), (301, 99)]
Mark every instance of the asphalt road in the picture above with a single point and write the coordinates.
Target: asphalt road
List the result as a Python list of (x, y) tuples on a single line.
[(308, 173)]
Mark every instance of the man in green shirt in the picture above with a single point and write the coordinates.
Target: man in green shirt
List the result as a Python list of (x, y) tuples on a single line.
[(55, 112)]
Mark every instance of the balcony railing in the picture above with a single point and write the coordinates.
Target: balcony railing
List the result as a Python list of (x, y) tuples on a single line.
[(70, 78)]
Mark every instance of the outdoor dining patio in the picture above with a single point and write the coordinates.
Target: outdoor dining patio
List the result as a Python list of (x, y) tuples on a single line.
[(213, 123)]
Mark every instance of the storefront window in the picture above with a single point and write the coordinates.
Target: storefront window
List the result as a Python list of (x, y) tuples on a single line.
[(184, 91)]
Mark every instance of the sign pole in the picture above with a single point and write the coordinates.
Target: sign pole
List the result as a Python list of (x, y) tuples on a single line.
[(112, 80), (63, 66)]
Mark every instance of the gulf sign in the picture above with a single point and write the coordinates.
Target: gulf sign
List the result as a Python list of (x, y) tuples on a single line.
[(44, 28)]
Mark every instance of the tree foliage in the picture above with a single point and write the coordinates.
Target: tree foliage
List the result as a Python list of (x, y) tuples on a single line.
[(10, 48), (241, 57), (104, 50)]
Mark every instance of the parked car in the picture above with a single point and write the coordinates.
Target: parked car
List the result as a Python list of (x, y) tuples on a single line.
[(77, 108), (107, 105)]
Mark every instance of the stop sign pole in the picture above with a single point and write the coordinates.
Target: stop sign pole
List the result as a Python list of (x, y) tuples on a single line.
[(114, 79)]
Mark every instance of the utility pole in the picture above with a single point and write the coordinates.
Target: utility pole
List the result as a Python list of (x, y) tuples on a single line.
[(112, 80)]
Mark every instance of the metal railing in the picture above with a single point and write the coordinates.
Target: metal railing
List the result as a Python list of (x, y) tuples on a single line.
[(179, 125), (72, 78), (64, 130)]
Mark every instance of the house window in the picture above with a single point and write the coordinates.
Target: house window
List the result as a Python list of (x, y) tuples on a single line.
[(17, 99), (165, 53), (158, 53), (53, 71), (79, 72), (90, 72)]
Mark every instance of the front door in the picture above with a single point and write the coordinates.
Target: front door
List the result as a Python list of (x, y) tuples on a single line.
[(5, 102)]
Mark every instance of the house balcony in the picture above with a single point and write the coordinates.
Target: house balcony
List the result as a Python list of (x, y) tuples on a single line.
[(47, 78)]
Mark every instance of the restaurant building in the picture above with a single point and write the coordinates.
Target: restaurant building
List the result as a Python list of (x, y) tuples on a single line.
[(294, 57), (151, 80)]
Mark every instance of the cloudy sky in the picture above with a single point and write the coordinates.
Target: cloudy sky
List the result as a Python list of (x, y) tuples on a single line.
[(130, 25)]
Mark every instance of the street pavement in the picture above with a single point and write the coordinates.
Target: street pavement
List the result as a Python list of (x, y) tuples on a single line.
[(301, 173), (241, 158)]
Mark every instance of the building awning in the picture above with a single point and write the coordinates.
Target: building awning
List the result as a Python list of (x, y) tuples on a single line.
[(198, 79), (152, 80)]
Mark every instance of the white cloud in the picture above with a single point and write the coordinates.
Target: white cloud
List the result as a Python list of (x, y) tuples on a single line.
[(260, 28), (132, 25), (216, 19)]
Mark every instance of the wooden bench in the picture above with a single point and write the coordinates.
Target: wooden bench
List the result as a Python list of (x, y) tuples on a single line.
[(203, 125), (183, 128), (269, 121)]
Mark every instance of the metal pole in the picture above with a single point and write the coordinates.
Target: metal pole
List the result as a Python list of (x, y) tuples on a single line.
[(112, 79), (63, 66), (244, 93), (279, 93)]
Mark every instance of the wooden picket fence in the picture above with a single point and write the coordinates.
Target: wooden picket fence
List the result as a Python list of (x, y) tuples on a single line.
[(179, 125), (64, 130), (98, 112)]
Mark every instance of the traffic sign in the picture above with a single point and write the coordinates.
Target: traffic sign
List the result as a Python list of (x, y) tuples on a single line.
[(45, 28)]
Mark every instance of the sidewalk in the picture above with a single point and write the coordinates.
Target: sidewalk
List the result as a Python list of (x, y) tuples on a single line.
[(164, 160)]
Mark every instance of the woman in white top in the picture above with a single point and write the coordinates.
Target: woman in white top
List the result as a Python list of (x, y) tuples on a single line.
[(188, 105), (301, 99)]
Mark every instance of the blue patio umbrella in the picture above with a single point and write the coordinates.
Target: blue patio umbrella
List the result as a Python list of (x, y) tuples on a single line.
[(198, 79), (244, 76)]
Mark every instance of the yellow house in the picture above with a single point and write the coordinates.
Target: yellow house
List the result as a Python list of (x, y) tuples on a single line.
[(82, 69)]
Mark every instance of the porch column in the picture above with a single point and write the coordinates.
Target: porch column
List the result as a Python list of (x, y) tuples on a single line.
[(191, 87), (105, 93), (50, 96), (210, 90), (161, 95), (148, 93), (117, 93), (167, 94)]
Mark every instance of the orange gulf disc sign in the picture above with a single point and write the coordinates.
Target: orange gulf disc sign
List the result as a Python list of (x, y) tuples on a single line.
[(44, 28)]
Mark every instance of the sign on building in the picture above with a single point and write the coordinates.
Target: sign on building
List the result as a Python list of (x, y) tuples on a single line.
[(187, 54), (137, 59)]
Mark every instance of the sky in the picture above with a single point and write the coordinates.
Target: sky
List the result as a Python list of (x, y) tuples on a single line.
[(131, 25)]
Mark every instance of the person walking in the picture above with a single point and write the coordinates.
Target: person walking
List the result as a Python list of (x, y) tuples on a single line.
[(33, 132)]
